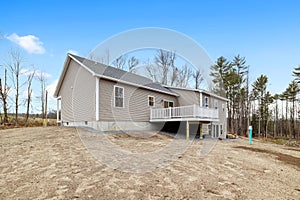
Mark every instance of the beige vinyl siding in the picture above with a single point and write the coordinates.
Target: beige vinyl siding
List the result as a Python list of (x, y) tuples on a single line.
[(222, 112), (211, 99), (136, 106), (77, 94), (187, 97)]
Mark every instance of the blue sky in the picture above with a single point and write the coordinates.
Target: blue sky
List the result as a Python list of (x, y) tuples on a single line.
[(266, 32)]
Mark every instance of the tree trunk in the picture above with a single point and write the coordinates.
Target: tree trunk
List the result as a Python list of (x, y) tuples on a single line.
[(259, 117), (17, 98), (3, 93), (28, 105), (286, 118)]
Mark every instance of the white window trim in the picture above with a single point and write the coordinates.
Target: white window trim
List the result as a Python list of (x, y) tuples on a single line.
[(115, 86), (153, 101)]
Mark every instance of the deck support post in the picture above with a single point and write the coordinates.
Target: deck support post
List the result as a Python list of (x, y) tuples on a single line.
[(187, 130), (200, 129)]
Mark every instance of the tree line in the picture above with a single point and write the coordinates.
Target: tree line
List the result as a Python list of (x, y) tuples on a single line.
[(275, 115), (16, 80)]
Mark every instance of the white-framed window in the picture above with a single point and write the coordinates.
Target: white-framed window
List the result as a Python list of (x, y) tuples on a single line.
[(216, 104), (168, 103), (151, 101), (119, 96), (206, 102)]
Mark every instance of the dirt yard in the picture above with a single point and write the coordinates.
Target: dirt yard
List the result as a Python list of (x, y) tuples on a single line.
[(53, 163)]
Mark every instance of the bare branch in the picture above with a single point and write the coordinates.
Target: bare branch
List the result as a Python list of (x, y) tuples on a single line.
[(120, 62), (198, 78), (42, 79), (132, 63), (30, 77)]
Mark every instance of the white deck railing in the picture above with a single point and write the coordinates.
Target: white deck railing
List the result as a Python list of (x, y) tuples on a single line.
[(192, 111)]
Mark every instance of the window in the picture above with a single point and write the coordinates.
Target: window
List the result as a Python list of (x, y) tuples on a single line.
[(151, 101), (206, 102), (221, 129), (168, 104), (119, 97), (216, 104)]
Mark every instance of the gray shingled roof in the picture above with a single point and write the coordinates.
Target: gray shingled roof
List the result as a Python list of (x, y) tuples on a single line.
[(112, 72)]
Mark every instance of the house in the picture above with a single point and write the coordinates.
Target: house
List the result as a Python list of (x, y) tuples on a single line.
[(96, 95)]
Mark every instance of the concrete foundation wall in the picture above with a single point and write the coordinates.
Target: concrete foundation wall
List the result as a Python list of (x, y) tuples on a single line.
[(117, 126)]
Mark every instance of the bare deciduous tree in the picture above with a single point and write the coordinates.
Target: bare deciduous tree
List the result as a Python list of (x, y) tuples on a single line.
[(15, 67), (4, 94), (163, 68), (198, 78), (132, 63), (174, 76), (120, 62), (165, 72), (151, 71), (164, 60), (41, 76), (30, 76), (184, 76)]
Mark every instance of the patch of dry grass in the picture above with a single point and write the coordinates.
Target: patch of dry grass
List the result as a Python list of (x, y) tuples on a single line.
[(31, 122)]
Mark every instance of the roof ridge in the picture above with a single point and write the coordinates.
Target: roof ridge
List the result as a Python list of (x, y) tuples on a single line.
[(100, 69), (115, 68)]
